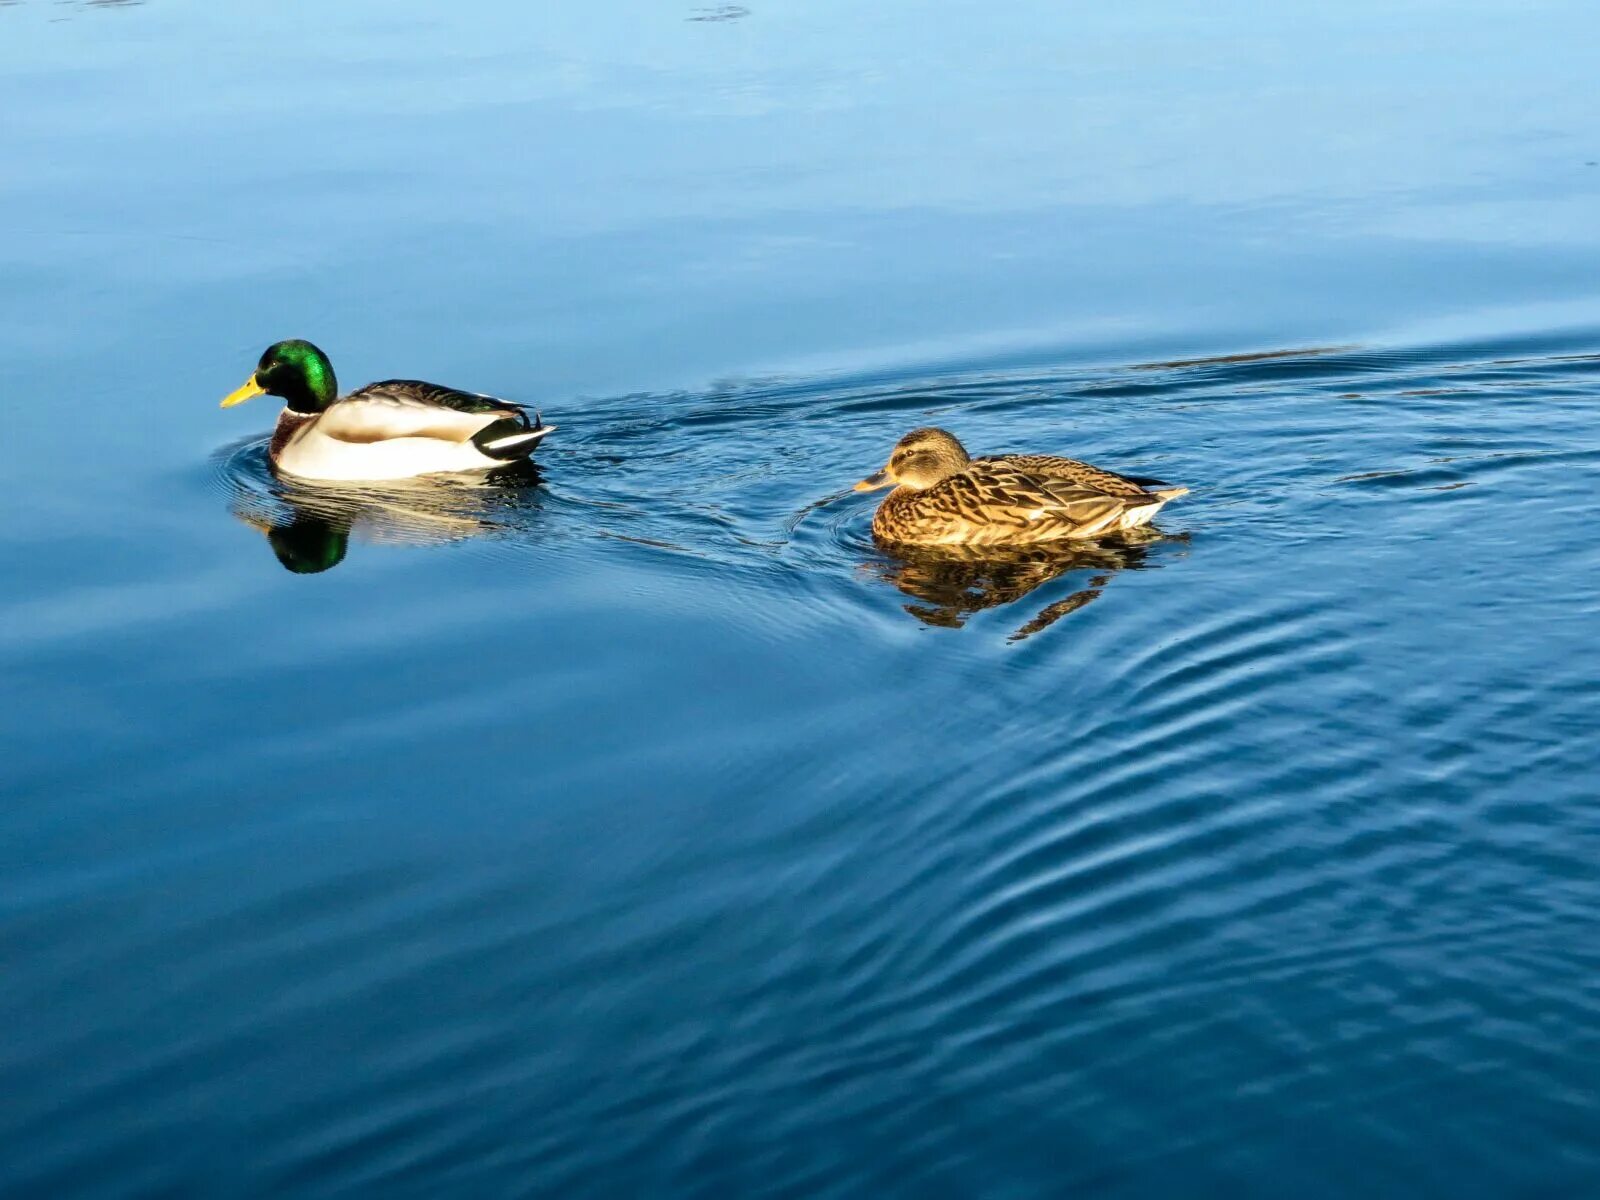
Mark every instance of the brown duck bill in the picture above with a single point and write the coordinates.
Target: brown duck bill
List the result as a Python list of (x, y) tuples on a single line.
[(873, 482)]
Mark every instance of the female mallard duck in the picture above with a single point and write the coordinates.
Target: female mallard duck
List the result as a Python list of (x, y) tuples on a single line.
[(945, 498), (389, 430)]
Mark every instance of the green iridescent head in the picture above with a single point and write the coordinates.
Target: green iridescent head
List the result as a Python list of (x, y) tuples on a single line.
[(295, 370)]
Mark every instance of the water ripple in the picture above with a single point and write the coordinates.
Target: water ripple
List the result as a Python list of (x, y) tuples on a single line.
[(1229, 802)]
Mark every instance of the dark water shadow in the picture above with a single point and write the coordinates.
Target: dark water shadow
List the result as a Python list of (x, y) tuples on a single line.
[(953, 583)]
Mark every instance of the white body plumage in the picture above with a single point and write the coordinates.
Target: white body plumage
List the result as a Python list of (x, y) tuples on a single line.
[(387, 432)]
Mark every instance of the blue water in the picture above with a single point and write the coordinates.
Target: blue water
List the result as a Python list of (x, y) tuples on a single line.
[(642, 828)]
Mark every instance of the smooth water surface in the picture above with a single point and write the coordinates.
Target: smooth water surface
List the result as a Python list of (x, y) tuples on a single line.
[(641, 828)]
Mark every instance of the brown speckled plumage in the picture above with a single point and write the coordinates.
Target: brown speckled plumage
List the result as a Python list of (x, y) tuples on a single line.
[(1068, 470), (946, 498)]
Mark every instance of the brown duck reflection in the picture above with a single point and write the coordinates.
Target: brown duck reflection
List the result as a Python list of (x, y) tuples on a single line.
[(951, 583), (310, 526)]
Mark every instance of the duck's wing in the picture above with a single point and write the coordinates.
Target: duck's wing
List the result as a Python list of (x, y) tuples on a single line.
[(1005, 493), (410, 408), (1070, 470), (434, 395)]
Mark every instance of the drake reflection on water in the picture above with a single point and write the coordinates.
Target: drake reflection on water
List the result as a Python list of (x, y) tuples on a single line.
[(309, 526)]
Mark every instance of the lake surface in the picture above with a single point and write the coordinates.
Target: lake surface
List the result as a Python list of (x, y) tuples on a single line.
[(644, 829)]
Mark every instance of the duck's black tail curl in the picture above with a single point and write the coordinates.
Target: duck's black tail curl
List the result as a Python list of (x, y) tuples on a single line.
[(511, 438)]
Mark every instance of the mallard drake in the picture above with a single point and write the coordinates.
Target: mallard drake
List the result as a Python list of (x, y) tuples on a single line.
[(943, 497), (389, 430)]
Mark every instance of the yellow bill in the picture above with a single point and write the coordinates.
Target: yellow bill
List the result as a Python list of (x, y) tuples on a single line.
[(240, 395), (873, 482)]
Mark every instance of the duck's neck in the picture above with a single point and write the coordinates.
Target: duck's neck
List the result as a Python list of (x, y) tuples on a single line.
[(307, 397), (288, 422)]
